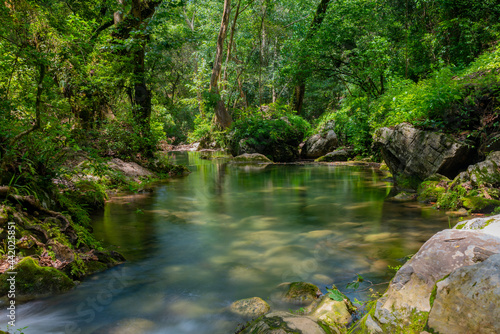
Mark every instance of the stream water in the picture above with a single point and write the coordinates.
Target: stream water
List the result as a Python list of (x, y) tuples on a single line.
[(228, 232)]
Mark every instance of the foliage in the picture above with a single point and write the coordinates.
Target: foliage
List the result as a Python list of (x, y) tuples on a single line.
[(335, 294), (269, 125)]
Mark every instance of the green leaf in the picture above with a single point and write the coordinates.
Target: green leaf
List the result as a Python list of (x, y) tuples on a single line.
[(335, 295), (353, 285)]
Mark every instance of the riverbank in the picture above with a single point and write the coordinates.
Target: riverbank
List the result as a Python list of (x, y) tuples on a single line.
[(47, 235)]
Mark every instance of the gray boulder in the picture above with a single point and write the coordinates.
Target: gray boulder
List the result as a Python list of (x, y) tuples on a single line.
[(343, 154), (412, 155), (468, 301), (319, 145), (407, 301)]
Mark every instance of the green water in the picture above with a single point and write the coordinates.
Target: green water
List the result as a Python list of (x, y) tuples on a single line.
[(227, 232)]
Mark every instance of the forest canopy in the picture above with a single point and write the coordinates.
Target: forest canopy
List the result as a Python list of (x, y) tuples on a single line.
[(122, 76)]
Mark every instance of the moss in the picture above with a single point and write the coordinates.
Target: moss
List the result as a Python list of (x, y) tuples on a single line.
[(430, 191), (407, 181), (479, 204), (33, 280), (327, 329), (302, 292), (434, 291)]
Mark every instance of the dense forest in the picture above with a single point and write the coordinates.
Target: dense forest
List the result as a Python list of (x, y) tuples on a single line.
[(87, 86)]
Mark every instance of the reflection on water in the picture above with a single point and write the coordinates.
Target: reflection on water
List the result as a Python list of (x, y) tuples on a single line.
[(228, 232)]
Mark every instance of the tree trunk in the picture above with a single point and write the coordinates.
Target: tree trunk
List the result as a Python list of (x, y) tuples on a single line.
[(301, 76), (222, 116)]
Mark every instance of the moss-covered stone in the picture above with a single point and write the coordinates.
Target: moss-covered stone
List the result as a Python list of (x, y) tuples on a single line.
[(33, 281), (250, 307), (479, 204), (252, 158), (302, 293)]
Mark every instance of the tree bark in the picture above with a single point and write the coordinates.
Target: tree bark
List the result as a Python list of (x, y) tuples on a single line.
[(222, 116)]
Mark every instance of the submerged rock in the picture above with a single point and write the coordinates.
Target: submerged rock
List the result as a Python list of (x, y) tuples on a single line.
[(128, 326), (250, 307), (283, 323), (301, 293), (468, 301), (413, 155)]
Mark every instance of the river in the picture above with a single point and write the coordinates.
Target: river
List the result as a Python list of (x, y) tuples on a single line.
[(228, 232)]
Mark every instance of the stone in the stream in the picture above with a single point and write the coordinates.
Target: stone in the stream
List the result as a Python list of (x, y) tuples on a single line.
[(252, 158), (283, 323), (128, 326), (250, 307), (301, 293), (468, 301), (332, 313), (343, 154)]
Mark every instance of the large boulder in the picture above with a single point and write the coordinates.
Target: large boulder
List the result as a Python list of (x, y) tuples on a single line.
[(406, 304), (321, 143), (468, 301), (413, 155)]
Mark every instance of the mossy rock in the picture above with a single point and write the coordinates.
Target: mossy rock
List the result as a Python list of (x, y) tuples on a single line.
[(252, 158), (302, 293), (250, 307), (479, 204), (432, 188), (407, 182), (403, 197), (33, 281)]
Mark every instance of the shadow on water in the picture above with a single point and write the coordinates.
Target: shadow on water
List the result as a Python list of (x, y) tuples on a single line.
[(228, 232)]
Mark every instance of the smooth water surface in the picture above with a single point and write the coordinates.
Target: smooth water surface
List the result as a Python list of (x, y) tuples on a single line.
[(228, 232)]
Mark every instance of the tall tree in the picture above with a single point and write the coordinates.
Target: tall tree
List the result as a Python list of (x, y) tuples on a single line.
[(302, 73), (134, 24), (222, 116)]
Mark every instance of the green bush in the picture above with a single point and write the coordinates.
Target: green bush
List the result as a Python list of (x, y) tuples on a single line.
[(269, 125)]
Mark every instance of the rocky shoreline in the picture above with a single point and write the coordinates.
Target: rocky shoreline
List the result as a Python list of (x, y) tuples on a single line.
[(449, 286)]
